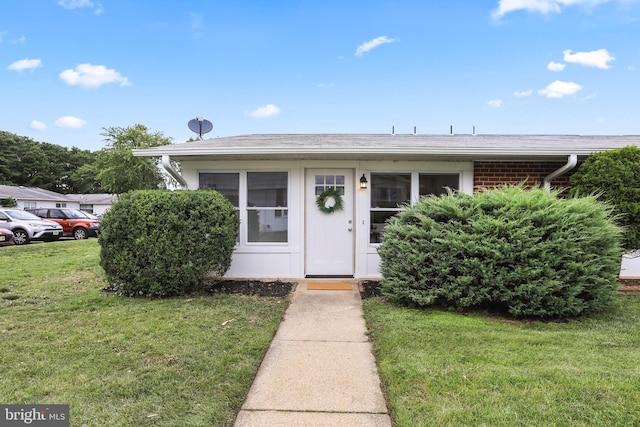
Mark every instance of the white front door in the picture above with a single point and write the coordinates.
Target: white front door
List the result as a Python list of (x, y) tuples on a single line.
[(329, 237)]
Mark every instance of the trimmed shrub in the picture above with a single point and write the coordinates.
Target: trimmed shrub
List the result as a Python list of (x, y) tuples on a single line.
[(158, 243), (615, 175), (527, 253), (8, 202)]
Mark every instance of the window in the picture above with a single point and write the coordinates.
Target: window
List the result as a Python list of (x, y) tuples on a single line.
[(57, 214), (267, 207), (437, 184), (30, 205), (227, 184), (86, 208), (389, 194), (61, 205), (329, 181)]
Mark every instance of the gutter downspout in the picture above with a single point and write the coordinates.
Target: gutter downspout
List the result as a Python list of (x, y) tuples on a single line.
[(166, 164), (572, 161)]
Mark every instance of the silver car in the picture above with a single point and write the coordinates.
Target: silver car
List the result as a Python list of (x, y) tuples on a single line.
[(27, 227)]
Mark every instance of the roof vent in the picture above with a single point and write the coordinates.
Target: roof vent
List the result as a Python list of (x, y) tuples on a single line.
[(451, 130), (393, 130), (415, 130)]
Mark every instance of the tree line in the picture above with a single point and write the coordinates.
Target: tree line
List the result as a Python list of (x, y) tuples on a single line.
[(113, 169)]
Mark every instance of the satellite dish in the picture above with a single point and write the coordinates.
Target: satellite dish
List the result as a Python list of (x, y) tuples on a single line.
[(200, 126)]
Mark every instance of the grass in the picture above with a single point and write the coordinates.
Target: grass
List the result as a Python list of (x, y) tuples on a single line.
[(447, 369), (118, 361)]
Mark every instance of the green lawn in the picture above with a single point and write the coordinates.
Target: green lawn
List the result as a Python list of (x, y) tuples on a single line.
[(119, 361), (446, 369)]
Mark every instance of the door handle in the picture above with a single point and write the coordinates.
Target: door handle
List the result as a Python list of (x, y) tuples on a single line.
[(349, 229)]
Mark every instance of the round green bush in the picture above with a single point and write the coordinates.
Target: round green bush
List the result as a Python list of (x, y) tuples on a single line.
[(527, 253), (615, 176), (159, 243)]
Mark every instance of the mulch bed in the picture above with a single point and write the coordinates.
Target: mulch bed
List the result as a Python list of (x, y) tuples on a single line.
[(258, 288), (629, 286), (369, 289)]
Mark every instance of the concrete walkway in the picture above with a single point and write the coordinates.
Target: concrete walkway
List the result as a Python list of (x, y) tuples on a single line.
[(319, 370)]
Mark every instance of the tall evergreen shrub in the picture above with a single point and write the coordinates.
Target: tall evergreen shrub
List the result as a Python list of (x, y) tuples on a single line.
[(159, 243), (527, 253), (615, 175)]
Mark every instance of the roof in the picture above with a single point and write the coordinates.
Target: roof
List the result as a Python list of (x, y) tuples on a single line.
[(392, 147), (38, 194), (32, 193), (94, 199)]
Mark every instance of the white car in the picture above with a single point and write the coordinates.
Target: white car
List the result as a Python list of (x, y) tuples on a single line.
[(27, 227)]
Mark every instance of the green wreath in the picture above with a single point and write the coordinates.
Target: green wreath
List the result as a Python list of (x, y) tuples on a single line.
[(330, 201)]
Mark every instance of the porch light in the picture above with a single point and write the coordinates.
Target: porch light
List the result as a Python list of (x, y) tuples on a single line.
[(363, 182)]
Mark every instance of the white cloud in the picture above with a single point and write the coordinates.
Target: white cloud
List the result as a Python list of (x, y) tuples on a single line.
[(20, 40), (75, 4), (559, 89), (371, 44), (35, 124), (543, 6), (268, 110), (325, 85), (596, 58), (523, 93), (69, 122), (89, 75), (495, 103), (555, 66), (81, 4), (25, 64), (632, 68)]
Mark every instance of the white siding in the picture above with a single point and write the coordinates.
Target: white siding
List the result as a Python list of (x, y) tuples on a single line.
[(286, 260)]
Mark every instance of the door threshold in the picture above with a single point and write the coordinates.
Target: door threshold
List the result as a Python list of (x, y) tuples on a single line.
[(329, 276)]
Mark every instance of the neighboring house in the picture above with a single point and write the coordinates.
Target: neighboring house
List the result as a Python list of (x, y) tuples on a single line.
[(274, 182), (31, 197), (96, 204)]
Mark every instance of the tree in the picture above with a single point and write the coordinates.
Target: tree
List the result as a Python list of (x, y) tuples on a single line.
[(615, 175), (48, 166), (118, 170)]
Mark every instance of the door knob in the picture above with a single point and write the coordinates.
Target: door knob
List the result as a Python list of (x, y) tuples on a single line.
[(349, 229)]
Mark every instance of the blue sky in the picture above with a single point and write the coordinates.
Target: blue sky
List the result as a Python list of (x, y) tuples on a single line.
[(69, 68)]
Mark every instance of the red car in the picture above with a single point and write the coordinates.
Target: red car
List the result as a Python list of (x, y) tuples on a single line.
[(6, 237), (74, 223)]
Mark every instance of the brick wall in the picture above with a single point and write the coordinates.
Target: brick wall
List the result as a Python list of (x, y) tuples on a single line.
[(490, 174)]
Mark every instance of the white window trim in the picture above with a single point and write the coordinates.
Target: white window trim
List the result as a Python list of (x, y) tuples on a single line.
[(243, 244)]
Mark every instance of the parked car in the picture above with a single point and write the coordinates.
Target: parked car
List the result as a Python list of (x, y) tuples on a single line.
[(90, 215), (6, 237), (27, 227), (74, 223)]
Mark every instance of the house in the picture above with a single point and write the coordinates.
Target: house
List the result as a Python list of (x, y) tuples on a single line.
[(96, 204), (33, 197), (275, 181)]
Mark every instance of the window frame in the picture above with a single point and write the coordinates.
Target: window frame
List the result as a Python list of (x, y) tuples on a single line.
[(283, 211), (243, 207), (414, 195)]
